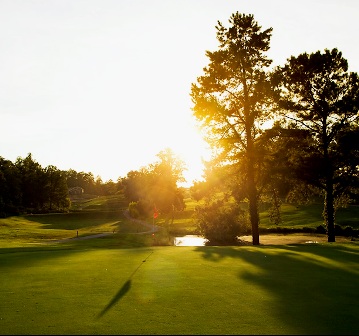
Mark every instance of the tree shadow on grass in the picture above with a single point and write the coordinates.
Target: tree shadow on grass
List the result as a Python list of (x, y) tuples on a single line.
[(311, 288)]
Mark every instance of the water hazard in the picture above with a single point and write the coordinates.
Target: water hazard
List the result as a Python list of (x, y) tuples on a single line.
[(190, 240)]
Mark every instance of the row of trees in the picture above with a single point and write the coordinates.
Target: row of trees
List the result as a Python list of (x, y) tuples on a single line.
[(25, 186), (312, 144)]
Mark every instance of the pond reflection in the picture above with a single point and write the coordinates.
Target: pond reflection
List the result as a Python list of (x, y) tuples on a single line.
[(190, 240)]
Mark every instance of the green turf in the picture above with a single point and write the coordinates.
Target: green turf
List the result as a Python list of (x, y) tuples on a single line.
[(298, 216), (125, 283), (299, 289)]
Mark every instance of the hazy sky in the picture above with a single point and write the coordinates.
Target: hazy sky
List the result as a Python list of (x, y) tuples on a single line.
[(103, 86)]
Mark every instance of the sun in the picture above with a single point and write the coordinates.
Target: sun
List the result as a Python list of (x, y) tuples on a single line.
[(193, 150)]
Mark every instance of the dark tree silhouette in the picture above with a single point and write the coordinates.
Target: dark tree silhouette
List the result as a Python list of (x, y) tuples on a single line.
[(231, 100), (317, 94)]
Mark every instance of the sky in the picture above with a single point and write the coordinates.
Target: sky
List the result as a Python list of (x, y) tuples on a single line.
[(103, 86)]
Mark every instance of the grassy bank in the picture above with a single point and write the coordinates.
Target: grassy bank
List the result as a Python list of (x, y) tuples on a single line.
[(125, 283)]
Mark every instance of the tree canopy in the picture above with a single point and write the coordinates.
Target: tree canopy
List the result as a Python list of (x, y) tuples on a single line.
[(154, 188), (318, 96), (231, 100)]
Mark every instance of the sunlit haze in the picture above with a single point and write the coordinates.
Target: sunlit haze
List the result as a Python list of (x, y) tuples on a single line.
[(103, 86)]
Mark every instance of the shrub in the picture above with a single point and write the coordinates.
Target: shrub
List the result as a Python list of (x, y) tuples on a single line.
[(348, 231), (133, 209), (221, 223), (321, 229), (338, 230)]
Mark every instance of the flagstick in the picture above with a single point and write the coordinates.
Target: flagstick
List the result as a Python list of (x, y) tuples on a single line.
[(153, 231)]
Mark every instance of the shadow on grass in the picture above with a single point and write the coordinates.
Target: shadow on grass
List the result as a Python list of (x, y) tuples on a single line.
[(122, 292), (313, 288)]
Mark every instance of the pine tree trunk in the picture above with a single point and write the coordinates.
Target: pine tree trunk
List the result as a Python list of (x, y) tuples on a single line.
[(251, 182), (253, 212), (253, 205), (329, 214)]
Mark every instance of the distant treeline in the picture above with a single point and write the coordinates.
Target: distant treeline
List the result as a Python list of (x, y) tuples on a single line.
[(27, 187)]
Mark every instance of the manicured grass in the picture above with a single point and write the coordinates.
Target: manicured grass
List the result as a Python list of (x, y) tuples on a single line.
[(92, 202), (125, 283), (310, 216), (32, 229), (296, 216), (81, 289), (293, 216)]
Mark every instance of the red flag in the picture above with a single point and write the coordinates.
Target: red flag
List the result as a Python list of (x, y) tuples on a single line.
[(155, 213)]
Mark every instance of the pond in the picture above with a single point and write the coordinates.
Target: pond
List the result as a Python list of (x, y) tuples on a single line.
[(190, 240)]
